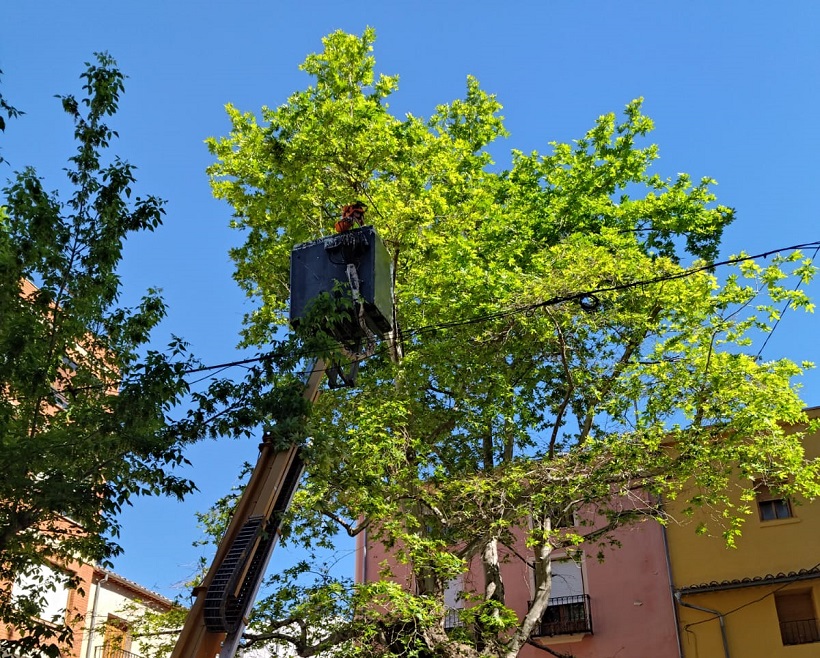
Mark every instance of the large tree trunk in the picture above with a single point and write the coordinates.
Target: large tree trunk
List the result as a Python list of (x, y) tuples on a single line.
[(493, 584), (493, 591), (542, 575)]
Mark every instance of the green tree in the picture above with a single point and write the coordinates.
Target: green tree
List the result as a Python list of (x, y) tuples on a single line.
[(84, 411), (561, 342)]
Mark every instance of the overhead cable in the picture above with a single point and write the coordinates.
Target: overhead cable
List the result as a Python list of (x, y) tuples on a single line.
[(584, 298)]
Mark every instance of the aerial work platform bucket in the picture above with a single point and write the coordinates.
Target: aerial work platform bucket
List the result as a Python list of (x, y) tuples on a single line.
[(322, 267)]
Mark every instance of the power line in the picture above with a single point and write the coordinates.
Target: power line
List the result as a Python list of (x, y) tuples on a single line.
[(528, 308), (579, 296), (782, 312)]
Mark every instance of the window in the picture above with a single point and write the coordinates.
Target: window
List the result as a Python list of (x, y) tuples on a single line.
[(772, 506), (117, 641), (798, 620), (564, 520), (453, 602), (567, 579), (568, 611), (59, 399)]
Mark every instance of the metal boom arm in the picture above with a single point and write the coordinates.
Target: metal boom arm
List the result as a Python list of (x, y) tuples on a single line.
[(215, 623)]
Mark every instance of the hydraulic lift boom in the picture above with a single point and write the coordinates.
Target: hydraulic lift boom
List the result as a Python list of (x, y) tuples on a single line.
[(217, 618), (355, 258)]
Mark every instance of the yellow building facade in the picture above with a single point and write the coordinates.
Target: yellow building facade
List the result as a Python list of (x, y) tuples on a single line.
[(760, 599)]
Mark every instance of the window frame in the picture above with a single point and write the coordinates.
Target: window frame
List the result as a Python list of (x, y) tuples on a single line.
[(772, 506), (795, 626)]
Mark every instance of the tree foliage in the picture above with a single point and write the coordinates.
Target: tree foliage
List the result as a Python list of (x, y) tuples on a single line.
[(84, 411), (560, 345), (9, 110)]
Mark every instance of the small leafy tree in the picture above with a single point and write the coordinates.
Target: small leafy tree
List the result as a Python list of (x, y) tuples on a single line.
[(561, 343), (84, 424)]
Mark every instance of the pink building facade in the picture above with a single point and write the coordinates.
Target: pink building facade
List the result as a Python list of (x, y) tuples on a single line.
[(619, 607)]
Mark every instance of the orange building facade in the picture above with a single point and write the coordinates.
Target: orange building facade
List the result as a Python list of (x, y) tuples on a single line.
[(97, 606), (760, 599), (100, 611)]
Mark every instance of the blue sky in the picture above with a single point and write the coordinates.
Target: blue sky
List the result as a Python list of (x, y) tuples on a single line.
[(733, 88)]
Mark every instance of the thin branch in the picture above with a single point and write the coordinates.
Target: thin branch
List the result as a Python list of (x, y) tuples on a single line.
[(351, 529), (551, 652), (556, 427), (622, 363)]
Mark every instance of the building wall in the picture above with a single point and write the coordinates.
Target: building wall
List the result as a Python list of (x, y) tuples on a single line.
[(631, 601), (744, 583), (111, 600), (79, 604), (751, 624), (74, 601), (117, 592)]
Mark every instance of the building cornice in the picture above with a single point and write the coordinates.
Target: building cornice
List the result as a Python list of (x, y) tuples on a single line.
[(754, 581), (146, 595)]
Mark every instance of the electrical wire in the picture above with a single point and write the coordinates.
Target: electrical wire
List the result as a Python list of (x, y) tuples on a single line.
[(782, 313), (584, 298), (579, 297)]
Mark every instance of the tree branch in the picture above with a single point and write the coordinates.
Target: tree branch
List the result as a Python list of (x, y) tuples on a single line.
[(559, 416), (609, 382), (351, 529)]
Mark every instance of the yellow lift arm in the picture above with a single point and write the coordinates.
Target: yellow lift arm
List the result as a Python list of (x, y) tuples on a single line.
[(217, 618)]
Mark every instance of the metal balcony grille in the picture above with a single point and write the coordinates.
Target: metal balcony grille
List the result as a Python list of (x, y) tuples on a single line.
[(111, 651), (451, 620), (566, 615), (802, 631)]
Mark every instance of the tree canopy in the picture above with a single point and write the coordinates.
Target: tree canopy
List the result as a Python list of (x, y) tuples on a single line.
[(85, 420), (562, 341)]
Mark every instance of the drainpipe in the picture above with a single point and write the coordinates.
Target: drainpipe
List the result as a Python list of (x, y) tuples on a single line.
[(364, 556), (88, 646), (671, 582), (717, 614)]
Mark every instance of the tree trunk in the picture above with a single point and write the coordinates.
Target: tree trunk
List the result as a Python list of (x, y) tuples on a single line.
[(493, 584), (542, 575)]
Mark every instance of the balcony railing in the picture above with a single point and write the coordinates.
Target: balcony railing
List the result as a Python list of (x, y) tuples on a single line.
[(452, 620), (802, 631), (112, 651), (566, 615)]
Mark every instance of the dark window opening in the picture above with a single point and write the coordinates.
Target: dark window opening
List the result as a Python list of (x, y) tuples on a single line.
[(566, 615), (797, 617), (772, 506)]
